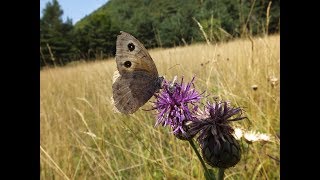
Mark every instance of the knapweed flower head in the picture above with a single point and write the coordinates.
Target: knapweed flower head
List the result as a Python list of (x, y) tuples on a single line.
[(215, 119), (219, 146), (176, 105)]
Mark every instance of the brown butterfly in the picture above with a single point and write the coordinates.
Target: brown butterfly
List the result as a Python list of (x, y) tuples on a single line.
[(137, 77)]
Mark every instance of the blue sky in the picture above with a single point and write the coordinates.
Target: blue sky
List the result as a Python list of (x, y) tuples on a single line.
[(75, 9)]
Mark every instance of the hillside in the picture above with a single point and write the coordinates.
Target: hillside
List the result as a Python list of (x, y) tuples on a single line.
[(164, 23), (152, 19)]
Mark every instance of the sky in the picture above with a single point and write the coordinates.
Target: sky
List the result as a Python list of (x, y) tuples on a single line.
[(75, 9)]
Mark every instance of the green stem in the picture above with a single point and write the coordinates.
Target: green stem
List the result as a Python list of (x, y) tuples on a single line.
[(200, 158), (221, 174)]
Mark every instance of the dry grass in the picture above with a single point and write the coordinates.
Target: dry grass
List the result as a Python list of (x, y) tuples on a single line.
[(81, 137)]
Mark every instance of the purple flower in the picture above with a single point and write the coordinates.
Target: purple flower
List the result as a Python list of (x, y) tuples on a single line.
[(214, 121), (176, 105)]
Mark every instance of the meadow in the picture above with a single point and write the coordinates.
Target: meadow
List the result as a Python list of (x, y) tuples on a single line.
[(81, 137)]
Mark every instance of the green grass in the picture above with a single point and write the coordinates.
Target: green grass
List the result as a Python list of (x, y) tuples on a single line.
[(75, 100)]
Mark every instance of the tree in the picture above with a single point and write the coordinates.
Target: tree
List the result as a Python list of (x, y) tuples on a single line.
[(96, 40), (55, 35)]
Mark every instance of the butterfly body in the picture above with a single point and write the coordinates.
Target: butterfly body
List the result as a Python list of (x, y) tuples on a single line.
[(137, 79)]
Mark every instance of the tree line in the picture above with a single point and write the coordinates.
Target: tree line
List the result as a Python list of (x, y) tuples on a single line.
[(164, 23)]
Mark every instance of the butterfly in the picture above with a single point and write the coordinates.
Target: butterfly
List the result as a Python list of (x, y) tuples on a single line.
[(137, 77)]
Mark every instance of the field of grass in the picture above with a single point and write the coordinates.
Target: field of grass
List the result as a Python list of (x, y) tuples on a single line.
[(82, 138)]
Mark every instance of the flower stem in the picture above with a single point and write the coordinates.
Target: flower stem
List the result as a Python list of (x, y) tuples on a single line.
[(200, 158), (221, 174)]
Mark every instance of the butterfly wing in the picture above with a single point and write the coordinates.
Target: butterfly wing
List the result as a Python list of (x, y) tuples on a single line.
[(138, 76), (131, 56), (133, 90)]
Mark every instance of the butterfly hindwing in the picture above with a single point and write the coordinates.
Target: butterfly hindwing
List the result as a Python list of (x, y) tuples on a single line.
[(133, 90)]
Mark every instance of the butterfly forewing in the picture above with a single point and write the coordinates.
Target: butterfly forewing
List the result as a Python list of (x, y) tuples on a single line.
[(130, 50)]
